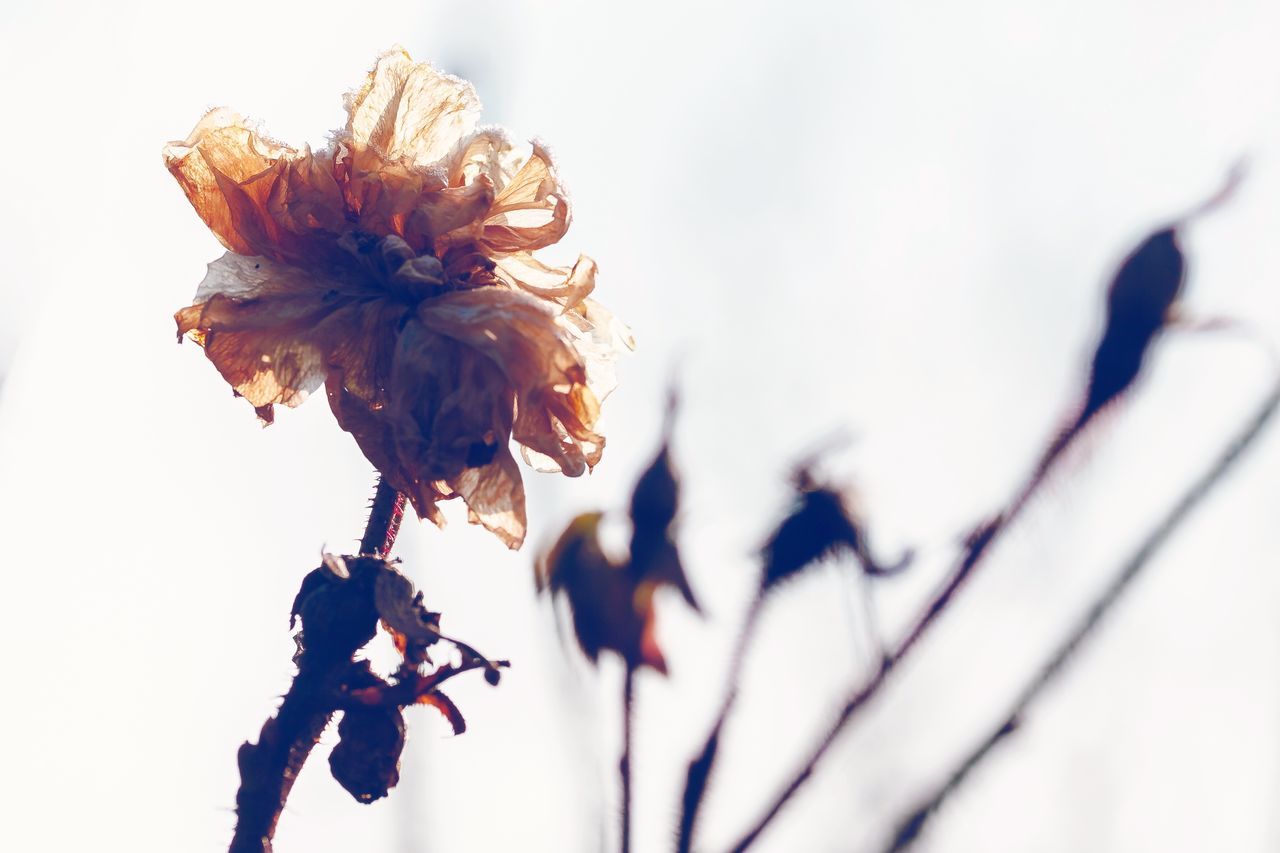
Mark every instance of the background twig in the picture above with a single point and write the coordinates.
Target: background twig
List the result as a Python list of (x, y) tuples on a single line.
[(695, 785), (909, 829), (628, 692)]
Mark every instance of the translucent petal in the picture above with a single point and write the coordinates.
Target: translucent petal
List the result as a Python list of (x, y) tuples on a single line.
[(410, 111)]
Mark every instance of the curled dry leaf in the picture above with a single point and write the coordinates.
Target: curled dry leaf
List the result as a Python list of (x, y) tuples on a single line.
[(445, 706), (396, 268), (611, 610)]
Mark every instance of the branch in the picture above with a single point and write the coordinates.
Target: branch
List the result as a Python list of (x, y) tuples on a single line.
[(909, 829), (269, 767)]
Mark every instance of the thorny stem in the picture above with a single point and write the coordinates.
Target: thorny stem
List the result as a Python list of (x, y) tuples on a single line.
[(624, 766), (385, 515), (909, 829), (700, 768), (978, 546), (269, 767)]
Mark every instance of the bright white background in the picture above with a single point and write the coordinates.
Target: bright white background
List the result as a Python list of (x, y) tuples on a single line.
[(893, 218)]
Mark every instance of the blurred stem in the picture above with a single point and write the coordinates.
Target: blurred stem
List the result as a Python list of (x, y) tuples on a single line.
[(699, 772), (909, 829), (385, 515), (628, 690), (978, 546)]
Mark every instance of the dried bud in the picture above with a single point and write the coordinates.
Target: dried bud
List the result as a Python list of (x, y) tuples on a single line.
[(338, 614), (655, 557), (1138, 305), (821, 524), (366, 760)]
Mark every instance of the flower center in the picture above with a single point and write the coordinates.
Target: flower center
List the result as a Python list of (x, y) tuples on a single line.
[(397, 268)]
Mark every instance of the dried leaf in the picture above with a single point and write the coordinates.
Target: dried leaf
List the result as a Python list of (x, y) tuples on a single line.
[(445, 706)]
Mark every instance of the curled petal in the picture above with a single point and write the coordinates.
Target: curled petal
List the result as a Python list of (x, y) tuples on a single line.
[(410, 111), (555, 410), (487, 153), (531, 210), (598, 337), (254, 320), (275, 331), (243, 185), (566, 285)]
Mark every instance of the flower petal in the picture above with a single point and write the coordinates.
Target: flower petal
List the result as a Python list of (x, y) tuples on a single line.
[(410, 111), (566, 285), (555, 410), (274, 331), (257, 196), (531, 210)]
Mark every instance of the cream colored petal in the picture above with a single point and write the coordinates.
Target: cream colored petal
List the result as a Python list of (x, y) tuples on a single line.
[(494, 495), (531, 210), (599, 338), (567, 286), (487, 153), (411, 111), (274, 331)]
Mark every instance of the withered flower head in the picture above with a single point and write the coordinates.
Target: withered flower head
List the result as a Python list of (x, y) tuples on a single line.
[(396, 267)]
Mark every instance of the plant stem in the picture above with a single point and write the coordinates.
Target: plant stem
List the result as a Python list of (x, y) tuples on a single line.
[(385, 515), (269, 767), (978, 546), (699, 772), (628, 688), (909, 828)]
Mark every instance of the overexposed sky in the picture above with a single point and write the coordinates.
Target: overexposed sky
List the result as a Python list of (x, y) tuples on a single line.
[(893, 219)]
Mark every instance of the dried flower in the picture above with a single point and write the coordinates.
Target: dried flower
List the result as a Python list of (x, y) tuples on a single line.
[(396, 267)]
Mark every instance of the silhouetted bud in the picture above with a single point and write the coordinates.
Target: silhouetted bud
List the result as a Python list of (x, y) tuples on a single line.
[(1138, 305), (338, 614), (655, 557), (492, 675), (366, 760), (821, 524)]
